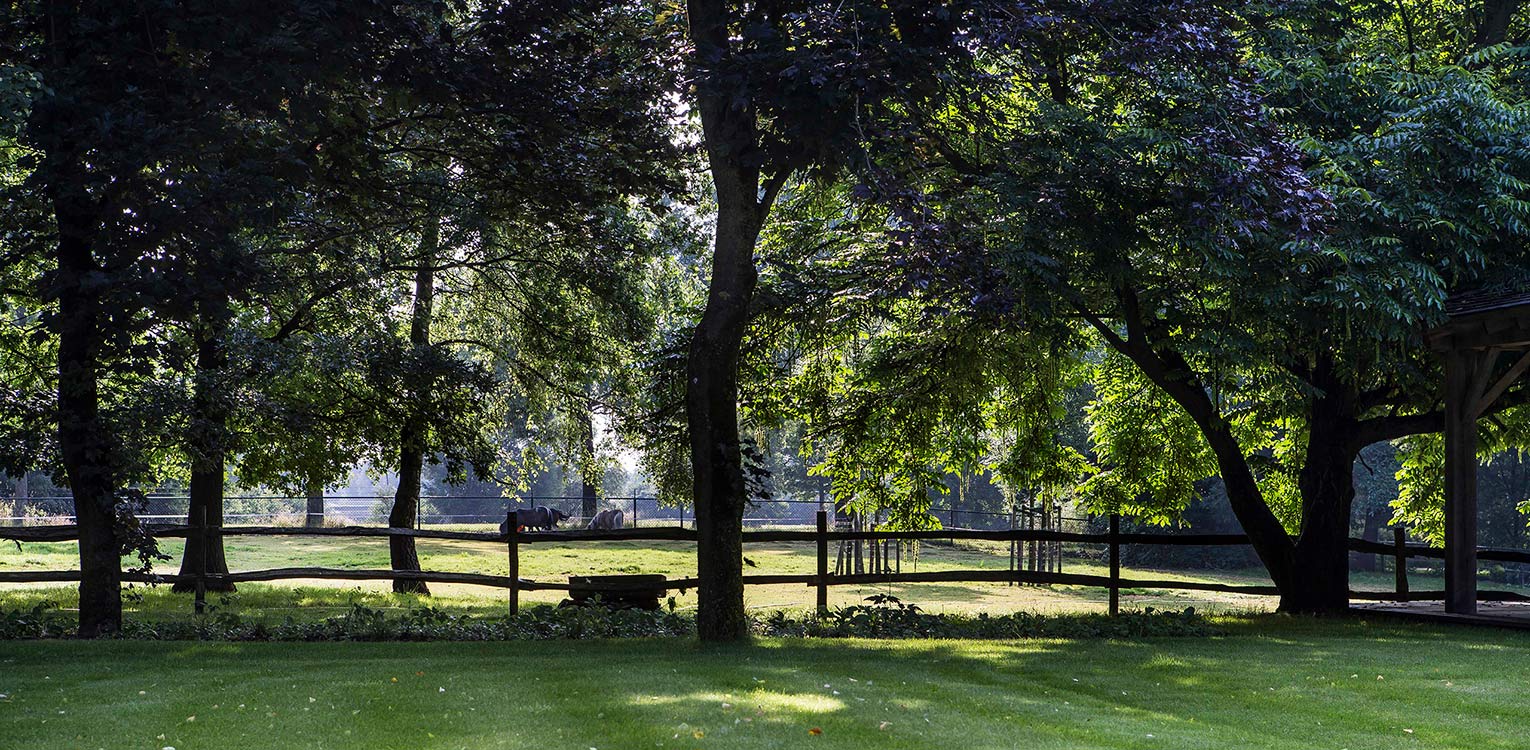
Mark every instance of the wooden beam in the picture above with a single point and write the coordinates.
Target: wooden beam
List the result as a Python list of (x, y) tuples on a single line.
[(1508, 328), (1460, 485), (1482, 371), (1486, 399)]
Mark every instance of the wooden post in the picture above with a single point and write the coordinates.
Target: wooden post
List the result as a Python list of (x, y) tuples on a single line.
[(1115, 563), (857, 546), (1460, 484), (634, 513), (1400, 544), (1013, 548), (823, 562), (875, 545), (201, 584), (1033, 546), (513, 551)]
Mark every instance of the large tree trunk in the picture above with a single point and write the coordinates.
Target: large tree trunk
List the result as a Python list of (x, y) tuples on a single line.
[(208, 453), (85, 446), (1370, 531), (589, 495), (1312, 574), (411, 458), (315, 492), (17, 505), (711, 397), (406, 508), (1496, 17), (1146, 345), (712, 413), (1327, 485)]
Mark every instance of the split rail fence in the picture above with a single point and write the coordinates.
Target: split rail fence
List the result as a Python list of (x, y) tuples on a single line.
[(1113, 540)]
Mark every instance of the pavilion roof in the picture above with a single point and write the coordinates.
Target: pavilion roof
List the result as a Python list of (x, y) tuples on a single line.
[(1493, 315), (1485, 299)]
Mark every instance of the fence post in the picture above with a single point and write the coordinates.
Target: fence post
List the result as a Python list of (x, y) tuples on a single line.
[(513, 552), (201, 584), (1115, 563), (634, 513), (1400, 544), (823, 562), (1014, 543)]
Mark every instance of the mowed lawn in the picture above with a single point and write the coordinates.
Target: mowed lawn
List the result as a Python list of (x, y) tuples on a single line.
[(1270, 682), (555, 562)]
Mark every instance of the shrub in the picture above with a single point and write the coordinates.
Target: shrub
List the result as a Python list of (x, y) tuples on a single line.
[(887, 617), (883, 617)]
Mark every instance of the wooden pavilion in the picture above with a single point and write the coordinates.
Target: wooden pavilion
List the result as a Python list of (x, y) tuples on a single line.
[(1485, 345)]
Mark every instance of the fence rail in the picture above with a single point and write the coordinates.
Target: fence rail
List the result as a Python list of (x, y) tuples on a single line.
[(821, 536), (438, 510)]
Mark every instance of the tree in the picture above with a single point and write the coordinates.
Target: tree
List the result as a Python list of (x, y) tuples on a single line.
[(1263, 305), (158, 133), (779, 89)]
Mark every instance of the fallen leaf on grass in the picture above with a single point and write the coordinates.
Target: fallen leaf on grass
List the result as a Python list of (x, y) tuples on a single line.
[(815, 731)]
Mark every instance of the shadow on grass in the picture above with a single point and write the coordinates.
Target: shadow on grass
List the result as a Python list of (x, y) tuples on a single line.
[(1274, 682)]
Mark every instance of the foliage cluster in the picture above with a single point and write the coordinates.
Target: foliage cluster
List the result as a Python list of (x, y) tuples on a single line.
[(883, 617)]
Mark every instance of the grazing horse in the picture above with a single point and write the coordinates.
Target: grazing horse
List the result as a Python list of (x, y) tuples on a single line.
[(553, 516), (607, 520), (540, 518)]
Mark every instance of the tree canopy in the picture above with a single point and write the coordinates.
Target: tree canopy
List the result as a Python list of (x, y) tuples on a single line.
[(1097, 252)]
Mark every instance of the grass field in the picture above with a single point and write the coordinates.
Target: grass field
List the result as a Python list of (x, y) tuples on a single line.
[(1270, 682), (555, 562)]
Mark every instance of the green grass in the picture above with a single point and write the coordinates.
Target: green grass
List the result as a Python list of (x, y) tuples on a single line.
[(1271, 682), (555, 562)]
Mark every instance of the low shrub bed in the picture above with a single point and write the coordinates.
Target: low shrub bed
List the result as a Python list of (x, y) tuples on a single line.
[(883, 617)]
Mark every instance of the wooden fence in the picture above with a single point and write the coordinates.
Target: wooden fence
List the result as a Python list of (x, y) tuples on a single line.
[(821, 536)]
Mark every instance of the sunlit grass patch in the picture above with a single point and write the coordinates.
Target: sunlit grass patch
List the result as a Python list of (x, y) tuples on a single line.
[(1269, 682)]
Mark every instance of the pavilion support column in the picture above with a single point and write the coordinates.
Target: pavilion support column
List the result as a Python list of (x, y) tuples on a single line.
[(1460, 483)]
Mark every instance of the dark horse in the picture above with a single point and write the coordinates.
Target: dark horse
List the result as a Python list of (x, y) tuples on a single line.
[(540, 518)]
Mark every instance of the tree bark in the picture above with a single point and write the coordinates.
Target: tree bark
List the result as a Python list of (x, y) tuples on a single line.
[(719, 490), (406, 507), (1173, 374), (208, 454), (1311, 573), (587, 490), (1327, 486), (19, 493), (84, 443), (720, 495), (412, 435), (315, 492), (1370, 531), (1494, 28)]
